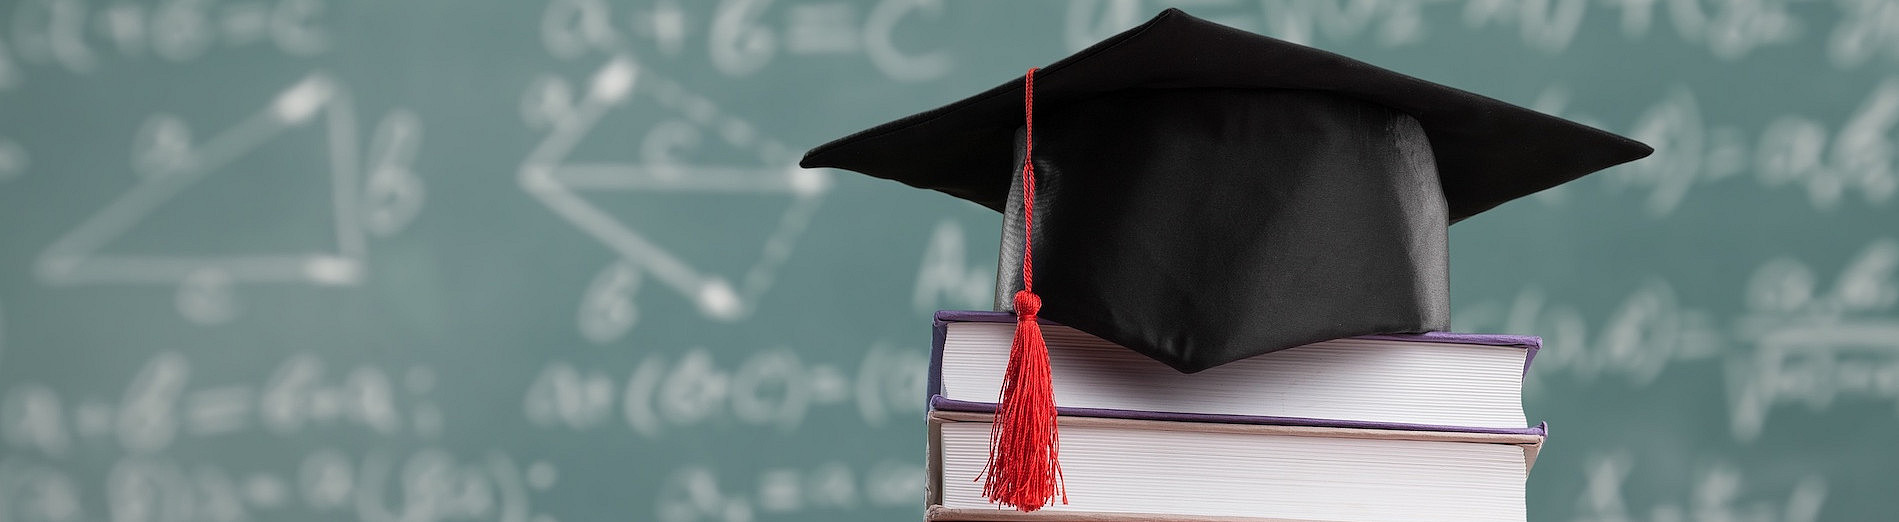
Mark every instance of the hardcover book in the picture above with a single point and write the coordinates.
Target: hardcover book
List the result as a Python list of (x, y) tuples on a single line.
[(1119, 469), (1415, 382)]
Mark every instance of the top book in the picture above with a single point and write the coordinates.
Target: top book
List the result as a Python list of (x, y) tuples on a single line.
[(1431, 381)]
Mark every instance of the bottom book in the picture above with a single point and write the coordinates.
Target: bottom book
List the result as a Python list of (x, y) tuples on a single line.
[(1127, 469)]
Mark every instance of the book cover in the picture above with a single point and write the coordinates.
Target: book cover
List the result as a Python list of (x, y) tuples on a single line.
[(1529, 444), (938, 402)]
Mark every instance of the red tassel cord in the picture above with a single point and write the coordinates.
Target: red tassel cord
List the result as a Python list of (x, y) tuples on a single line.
[(1024, 467)]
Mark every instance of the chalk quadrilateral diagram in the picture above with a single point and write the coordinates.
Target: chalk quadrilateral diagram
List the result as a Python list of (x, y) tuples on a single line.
[(607, 311), (176, 165)]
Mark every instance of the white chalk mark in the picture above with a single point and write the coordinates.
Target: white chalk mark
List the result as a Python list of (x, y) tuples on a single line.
[(508, 484), (66, 33), (636, 405), (266, 491), (326, 479), (173, 164), (947, 279), (541, 475), (897, 65), (826, 384), (13, 158), (613, 82), (9, 72), (825, 28), (680, 178), (393, 191), (667, 25), (38, 493), (738, 45), (124, 26), (570, 28), (31, 417), (205, 297), (894, 483), (293, 27), (243, 24), (773, 370), (695, 390), (780, 490), (607, 310), (548, 176), (148, 417), (564, 396), (218, 410), (181, 30)]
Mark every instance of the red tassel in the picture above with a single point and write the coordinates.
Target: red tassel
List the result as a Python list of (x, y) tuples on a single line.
[(1024, 448), (1025, 467)]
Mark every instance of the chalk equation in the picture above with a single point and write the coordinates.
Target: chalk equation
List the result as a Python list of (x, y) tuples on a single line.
[(1868, 30), (377, 196), (1729, 30), (1639, 338), (1857, 162), (948, 279), (430, 484), (607, 310), (742, 37), (1815, 345), (159, 406), (1720, 493), (81, 37), (695, 494), (772, 388)]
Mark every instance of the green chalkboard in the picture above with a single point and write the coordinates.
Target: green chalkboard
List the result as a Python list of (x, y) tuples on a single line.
[(551, 261)]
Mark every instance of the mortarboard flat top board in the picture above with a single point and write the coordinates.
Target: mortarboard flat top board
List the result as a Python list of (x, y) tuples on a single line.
[(1208, 194)]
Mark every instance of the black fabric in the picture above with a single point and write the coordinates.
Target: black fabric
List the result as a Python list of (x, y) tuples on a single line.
[(1203, 227), (1206, 194), (1488, 152)]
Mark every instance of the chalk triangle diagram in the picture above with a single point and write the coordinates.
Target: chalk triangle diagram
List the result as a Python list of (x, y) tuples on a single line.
[(558, 181), (315, 101)]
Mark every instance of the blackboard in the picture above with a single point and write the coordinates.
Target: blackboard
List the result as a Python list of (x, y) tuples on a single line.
[(428, 260)]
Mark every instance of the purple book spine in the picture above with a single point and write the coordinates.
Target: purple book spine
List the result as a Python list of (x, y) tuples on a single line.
[(940, 328)]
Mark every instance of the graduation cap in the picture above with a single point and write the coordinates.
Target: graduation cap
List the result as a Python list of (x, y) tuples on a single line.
[(1201, 194)]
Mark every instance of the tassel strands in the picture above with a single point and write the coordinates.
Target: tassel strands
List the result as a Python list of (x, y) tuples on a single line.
[(1024, 469)]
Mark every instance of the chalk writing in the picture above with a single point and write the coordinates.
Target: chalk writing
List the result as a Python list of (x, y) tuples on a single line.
[(771, 388), (947, 279), (1791, 151), (694, 493), (1719, 494), (78, 36), (1642, 335), (31, 491), (1862, 155), (427, 485), (32, 418), (1813, 347), (159, 406), (1730, 29), (743, 37), (170, 161), (1867, 29), (607, 310)]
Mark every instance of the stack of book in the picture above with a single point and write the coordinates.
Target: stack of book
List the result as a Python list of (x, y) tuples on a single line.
[(1390, 427)]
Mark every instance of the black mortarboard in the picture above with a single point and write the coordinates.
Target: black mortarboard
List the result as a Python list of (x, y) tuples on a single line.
[(1208, 194)]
